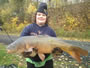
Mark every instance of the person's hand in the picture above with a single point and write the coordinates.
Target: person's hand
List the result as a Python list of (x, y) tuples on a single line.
[(57, 52), (30, 53)]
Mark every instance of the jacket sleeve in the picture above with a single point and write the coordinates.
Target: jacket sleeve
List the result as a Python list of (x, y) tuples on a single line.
[(52, 33), (25, 32)]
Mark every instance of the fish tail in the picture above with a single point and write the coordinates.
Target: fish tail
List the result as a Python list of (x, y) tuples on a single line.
[(76, 52)]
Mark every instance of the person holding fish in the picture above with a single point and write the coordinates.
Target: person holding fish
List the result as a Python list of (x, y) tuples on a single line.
[(39, 27), (37, 41)]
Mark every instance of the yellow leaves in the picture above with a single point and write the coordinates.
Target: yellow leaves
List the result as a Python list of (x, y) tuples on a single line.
[(3, 11), (71, 22), (25, 22), (70, 19), (31, 8), (15, 19), (20, 27), (15, 25)]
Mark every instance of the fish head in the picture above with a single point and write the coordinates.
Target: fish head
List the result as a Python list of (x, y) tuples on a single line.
[(11, 48), (14, 47)]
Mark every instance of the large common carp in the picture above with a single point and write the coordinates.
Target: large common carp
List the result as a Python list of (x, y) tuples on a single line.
[(45, 44)]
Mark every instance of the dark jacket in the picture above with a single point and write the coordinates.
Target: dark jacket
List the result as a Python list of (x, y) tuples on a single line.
[(34, 29)]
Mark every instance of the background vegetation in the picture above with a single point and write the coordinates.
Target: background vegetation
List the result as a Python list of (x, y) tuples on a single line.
[(69, 18)]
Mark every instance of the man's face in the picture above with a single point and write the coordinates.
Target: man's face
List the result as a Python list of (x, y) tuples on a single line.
[(40, 19)]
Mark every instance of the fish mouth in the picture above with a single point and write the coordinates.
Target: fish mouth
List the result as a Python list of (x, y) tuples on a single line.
[(9, 51)]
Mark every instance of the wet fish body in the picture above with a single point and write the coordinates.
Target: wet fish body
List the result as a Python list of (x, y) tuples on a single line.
[(45, 44)]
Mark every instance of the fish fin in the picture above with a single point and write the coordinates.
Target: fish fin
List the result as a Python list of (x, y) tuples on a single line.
[(75, 52), (83, 52), (75, 55), (41, 56), (29, 50)]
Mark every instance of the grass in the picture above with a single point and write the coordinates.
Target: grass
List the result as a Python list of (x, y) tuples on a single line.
[(7, 59), (85, 35), (4, 33), (72, 35)]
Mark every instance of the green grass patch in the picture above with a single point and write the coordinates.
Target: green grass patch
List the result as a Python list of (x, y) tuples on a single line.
[(73, 34), (10, 33), (7, 59)]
